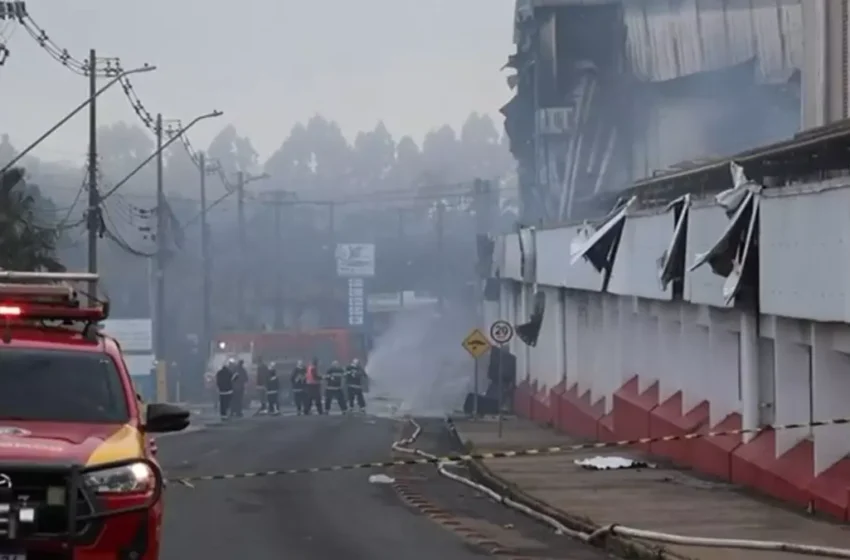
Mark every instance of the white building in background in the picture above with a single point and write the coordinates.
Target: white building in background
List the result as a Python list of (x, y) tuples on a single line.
[(712, 313)]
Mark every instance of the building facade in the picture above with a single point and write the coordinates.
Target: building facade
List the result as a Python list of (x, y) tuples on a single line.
[(610, 92), (715, 296)]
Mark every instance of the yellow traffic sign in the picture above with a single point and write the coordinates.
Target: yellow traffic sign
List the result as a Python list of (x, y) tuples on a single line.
[(476, 343)]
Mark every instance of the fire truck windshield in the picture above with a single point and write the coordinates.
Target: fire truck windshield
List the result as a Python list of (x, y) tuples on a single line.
[(60, 386)]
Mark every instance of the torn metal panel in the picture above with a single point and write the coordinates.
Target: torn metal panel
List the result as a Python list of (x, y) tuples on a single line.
[(739, 263), (527, 239), (671, 265), (600, 248), (669, 39), (728, 256)]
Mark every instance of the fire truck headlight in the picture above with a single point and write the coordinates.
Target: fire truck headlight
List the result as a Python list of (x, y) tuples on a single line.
[(127, 479)]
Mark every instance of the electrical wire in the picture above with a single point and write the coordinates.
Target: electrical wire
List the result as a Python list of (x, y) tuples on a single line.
[(110, 231), (59, 54), (61, 224), (149, 122), (6, 39)]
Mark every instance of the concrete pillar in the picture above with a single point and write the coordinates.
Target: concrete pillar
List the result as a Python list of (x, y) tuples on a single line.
[(749, 372), (793, 383), (830, 390)]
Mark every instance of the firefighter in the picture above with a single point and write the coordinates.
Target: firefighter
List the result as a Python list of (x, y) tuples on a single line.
[(355, 378), (272, 388), (313, 388), (333, 388), (240, 379), (297, 380), (224, 383), (262, 383)]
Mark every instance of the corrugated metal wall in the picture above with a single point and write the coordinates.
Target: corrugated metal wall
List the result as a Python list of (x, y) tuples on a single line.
[(669, 39)]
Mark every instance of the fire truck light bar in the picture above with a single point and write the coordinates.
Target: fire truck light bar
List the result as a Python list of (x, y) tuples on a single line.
[(53, 312), (49, 276)]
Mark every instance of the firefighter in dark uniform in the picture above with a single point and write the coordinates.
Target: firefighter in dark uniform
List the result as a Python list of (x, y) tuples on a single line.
[(313, 388), (272, 391), (333, 387), (355, 378), (262, 383), (224, 383), (298, 380), (240, 379)]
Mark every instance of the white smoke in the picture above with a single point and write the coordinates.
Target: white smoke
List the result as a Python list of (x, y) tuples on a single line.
[(419, 365)]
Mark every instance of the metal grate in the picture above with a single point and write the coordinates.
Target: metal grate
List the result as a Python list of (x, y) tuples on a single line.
[(37, 492)]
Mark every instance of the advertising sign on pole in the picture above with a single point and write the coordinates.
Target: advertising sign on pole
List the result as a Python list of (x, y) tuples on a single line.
[(356, 302), (355, 260), (134, 335)]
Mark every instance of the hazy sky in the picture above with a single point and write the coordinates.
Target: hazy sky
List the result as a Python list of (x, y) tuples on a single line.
[(266, 63)]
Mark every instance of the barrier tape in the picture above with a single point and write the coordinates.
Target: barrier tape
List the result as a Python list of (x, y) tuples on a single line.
[(187, 480)]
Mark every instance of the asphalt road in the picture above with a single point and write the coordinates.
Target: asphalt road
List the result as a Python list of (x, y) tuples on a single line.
[(321, 516)]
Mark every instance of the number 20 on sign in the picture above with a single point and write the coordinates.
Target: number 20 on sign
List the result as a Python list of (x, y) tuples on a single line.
[(501, 332)]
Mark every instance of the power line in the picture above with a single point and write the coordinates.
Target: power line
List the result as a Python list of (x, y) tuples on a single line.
[(110, 67), (173, 127), (111, 232)]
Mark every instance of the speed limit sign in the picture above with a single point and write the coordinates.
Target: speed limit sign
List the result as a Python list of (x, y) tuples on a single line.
[(501, 332)]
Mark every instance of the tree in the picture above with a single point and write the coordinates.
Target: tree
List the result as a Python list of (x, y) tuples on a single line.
[(314, 157), (234, 152), (441, 154), (122, 148), (482, 151), (7, 150), (373, 159), (24, 243)]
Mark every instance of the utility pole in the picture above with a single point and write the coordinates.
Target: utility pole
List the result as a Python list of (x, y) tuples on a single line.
[(405, 269), (206, 287), (159, 267), (278, 281), (240, 272), (94, 198), (441, 287)]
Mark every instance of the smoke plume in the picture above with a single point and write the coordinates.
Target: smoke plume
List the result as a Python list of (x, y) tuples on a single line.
[(418, 364)]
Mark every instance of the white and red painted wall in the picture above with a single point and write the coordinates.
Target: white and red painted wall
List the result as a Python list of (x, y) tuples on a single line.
[(637, 362)]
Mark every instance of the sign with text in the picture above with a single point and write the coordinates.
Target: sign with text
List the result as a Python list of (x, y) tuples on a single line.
[(356, 302), (355, 260)]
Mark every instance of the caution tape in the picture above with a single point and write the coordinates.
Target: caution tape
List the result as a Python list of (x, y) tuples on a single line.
[(187, 480)]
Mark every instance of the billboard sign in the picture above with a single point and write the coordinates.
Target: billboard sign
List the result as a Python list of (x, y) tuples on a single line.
[(355, 260), (134, 335), (356, 302)]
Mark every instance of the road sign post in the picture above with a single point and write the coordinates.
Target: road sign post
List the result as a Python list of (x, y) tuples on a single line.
[(501, 332), (477, 345)]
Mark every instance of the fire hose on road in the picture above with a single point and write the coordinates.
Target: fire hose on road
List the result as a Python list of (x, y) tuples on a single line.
[(596, 537)]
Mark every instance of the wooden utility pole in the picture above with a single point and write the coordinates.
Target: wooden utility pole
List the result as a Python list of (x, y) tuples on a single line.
[(206, 282), (94, 198), (240, 228), (159, 267), (441, 265)]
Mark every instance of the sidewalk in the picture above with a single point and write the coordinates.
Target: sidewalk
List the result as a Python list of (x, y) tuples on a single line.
[(660, 499)]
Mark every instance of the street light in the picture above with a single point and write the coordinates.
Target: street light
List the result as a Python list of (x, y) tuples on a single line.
[(69, 116), (221, 199), (174, 137)]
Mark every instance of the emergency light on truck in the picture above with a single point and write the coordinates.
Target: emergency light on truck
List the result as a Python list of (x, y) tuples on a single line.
[(46, 296)]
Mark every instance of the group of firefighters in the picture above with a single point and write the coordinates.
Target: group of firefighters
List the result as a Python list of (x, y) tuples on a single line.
[(345, 386)]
